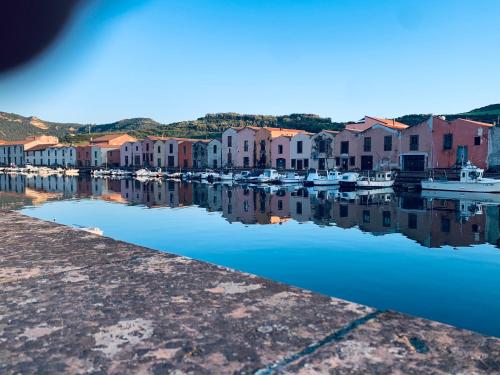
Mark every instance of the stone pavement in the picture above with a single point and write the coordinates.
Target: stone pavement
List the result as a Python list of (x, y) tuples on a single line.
[(76, 303)]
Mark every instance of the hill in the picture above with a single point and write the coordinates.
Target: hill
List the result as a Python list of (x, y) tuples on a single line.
[(13, 126)]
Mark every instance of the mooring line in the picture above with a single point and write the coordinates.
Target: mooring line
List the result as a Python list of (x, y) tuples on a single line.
[(333, 337)]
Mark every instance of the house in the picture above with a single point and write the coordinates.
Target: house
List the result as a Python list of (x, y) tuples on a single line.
[(12, 153), (84, 156), (51, 155), (439, 143), (229, 147), (214, 150), (148, 144), (172, 153), (280, 152), (126, 159), (494, 148), (200, 154), (185, 147), (263, 139), (300, 151), (322, 150), (113, 157), (245, 154), (379, 145), (137, 155)]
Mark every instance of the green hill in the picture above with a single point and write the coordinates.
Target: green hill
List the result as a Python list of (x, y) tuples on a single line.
[(13, 126)]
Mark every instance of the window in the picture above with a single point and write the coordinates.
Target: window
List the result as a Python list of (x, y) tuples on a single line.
[(386, 218), (136, 148), (352, 161), (246, 162), (245, 145), (280, 205), (388, 143), (477, 141), (306, 163), (215, 149), (412, 221), (367, 144), (229, 141), (322, 146), (299, 208), (280, 149), (126, 148), (337, 161), (447, 141), (229, 158), (184, 149), (294, 163), (159, 149), (171, 148), (413, 142), (147, 146), (344, 147), (299, 147)]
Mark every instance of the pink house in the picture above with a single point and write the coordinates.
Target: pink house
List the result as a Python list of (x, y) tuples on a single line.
[(346, 149), (378, 148), (263, 138), (438, 143), (280, 152), (245, 149), (126, 159)]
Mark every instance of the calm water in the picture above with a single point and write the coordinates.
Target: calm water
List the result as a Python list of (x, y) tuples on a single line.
[(430, 257)]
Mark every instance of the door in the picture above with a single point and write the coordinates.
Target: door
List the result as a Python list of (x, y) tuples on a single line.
[(299, 164), (413, 163), (344, 163), (170, 161), (280, 163), (321, 164), (366, 162), (462, 155)]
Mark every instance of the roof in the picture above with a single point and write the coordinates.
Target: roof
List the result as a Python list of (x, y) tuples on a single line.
[(16, 143), (254, 128), (479, 123), (41, 147), (389, 123), (334, 132), (155, 138), (109, 137)]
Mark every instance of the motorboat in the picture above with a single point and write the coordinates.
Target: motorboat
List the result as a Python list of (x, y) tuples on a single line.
[(376, 180), (471, 180), (242, 176), (209, 174), (349, 179), (267, 176), (291, 178), (329, 177), (226, 176), (484, 198)]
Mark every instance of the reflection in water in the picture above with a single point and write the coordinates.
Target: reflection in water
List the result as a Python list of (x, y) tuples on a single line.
[(430, 221)]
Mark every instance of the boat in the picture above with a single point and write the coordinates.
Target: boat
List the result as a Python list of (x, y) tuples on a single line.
[(291, 178), (226, 176), (376, 181), (330, 177), (349, 179), (71, 172), (267, 176), (242, 176), (484, 198), (471, 180), (209, 174)]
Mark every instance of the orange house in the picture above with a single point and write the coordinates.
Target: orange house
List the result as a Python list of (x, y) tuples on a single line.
[(186, 152)]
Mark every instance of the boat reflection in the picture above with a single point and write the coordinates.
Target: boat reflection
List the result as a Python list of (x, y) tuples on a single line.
[(428, 218)]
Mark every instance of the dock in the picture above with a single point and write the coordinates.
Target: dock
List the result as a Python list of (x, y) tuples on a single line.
[(73, 302)]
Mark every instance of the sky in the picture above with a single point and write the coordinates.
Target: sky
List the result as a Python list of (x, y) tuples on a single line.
[(180, 59)]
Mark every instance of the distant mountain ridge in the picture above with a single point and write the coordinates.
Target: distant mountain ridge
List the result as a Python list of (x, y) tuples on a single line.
[(14, 126)]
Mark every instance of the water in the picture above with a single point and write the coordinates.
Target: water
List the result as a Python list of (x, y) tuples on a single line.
[(429, 257)]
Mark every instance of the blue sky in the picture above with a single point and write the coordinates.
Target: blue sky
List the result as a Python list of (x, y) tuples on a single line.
[(179, 59)]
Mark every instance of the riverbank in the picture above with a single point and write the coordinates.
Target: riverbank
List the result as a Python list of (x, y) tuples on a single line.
[(74, 302)]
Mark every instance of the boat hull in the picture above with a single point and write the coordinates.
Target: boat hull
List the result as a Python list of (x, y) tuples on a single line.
[(374, 184), (325, 182), (476, 187), (483, 198)]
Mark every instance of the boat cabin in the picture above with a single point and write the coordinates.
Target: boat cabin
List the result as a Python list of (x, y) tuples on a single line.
[(470, 173)]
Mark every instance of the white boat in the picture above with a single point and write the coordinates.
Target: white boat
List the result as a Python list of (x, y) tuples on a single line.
[(71, 172), (484, 198), (291, 178), (209, 174), (142, 173), (376, 180), (471, 180), (330, 177), (267, 176), (241, 176), (349, 179), (226, 176)]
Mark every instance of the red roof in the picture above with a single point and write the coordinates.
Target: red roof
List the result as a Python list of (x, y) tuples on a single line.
[(472, 122), (41, 147), (389, 123)]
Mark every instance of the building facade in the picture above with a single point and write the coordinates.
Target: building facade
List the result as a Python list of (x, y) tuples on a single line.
[(200, 154), (300, 151), (322, 150), (229, 147), (214, 151)]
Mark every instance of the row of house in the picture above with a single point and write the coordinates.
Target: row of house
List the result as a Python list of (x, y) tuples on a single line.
[(371, 144)]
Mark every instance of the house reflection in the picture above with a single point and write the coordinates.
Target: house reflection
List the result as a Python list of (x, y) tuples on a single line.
[(430, 222)]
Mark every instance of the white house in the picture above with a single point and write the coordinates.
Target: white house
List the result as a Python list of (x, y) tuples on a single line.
[(229, 147), (215, 153)]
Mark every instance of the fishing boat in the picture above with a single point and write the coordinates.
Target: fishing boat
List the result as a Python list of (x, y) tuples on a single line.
[(471, 180), (330, 177), (349, 179), (291, 178), (376, 180), (267, 176)]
